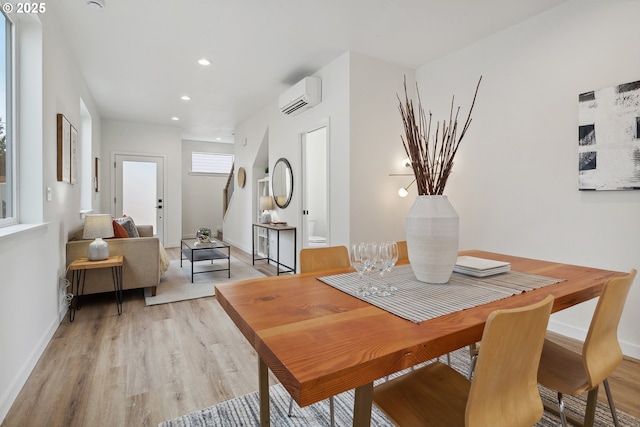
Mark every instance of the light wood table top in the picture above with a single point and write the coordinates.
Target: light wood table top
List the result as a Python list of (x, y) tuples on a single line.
[(83, 263), (319, 341)]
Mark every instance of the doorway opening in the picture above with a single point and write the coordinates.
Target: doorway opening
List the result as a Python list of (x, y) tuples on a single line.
[(315, 188), (139, 192)]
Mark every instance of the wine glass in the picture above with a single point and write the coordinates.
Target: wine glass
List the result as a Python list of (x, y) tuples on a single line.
[(384, 257), (371, 256), (389, 255), (359, 261)]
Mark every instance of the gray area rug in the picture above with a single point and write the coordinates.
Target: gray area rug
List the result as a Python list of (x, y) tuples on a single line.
[(244, 410), (175, 283)]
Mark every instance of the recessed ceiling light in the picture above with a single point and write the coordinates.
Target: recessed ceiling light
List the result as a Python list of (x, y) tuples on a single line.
[(218, 139), (204, 61), (175, 119), (185, 98)]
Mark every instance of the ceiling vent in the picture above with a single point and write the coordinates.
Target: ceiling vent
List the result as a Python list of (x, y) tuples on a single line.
[(301, 96)]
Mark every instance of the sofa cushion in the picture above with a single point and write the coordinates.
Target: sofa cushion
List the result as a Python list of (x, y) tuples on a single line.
[(119, 231), (127, 223)]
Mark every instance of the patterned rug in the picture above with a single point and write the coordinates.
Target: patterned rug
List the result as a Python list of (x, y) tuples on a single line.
[(244, 410)]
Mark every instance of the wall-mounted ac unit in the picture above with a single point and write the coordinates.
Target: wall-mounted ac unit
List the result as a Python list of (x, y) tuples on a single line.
[(301, 96)]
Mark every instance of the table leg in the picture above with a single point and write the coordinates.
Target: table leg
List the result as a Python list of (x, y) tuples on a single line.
[(263, 390), (362, 406), (77, 281), (74, 299), (253, 245), (116, 273)]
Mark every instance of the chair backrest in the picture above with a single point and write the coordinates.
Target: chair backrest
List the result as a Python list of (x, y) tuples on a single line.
[(601, 352), (504, 389), (327, 258), (403, 253)]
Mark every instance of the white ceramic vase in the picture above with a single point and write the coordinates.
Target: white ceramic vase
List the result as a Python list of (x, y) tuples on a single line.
[(433, 229)]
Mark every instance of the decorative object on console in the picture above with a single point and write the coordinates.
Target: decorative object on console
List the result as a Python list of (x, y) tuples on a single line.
[(432, 224), (98, 226), (266, 205), (203, 235), (608, 134)]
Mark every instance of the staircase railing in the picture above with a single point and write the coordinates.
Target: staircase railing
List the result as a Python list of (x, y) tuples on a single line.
[(227, 192)]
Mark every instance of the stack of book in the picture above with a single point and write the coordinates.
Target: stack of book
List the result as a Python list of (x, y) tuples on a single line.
[(480, 267)]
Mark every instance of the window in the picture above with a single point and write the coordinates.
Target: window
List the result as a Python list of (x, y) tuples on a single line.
[(211, 163), (7, 144)]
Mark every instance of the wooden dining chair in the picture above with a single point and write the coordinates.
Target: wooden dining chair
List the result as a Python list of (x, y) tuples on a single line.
[(403, 253), (568, 372), (319, 259), (326, 258), (503, 392)]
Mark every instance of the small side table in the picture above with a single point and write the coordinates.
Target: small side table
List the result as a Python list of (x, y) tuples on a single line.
[(79, 269)]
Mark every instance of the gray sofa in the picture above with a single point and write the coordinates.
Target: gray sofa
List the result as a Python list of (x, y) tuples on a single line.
[(142, 262)]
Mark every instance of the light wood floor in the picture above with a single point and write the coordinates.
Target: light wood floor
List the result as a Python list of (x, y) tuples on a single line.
[(156, 363)]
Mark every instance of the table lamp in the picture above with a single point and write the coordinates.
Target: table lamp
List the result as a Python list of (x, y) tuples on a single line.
[(266, 204), (98, 226)]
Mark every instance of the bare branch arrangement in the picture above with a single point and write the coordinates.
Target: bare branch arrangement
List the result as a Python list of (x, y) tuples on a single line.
[(431, 158)]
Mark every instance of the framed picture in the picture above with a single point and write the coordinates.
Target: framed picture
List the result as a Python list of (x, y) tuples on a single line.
[(64, 149), (96, 176), (74, 155), (609, 138)]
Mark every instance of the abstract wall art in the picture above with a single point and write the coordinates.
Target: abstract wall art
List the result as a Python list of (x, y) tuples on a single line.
[(609, 138)]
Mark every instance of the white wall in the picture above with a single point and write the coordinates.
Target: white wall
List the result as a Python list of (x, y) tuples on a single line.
[(202, 196), (135, 138), (284, 141), (377, 213), (515, 181), (31, 261)]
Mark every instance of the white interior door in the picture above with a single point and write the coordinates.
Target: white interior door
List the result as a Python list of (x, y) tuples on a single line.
[(139, 190), (315, 188)]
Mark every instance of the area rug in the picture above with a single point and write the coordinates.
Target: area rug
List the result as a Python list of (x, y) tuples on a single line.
[(175, 283), (244, 410)]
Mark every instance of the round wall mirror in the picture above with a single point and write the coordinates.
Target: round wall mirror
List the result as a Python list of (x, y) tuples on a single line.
[(282, 183)]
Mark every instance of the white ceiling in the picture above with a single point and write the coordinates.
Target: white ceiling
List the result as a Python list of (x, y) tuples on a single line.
[(139, 56)]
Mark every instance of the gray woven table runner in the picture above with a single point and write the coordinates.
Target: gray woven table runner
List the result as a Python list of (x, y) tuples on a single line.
[(418, 301)]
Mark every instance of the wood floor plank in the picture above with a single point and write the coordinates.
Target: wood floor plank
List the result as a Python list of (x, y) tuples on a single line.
[(159, 362)]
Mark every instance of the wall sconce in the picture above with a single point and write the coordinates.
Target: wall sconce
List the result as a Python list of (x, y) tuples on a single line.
[(403, 191)]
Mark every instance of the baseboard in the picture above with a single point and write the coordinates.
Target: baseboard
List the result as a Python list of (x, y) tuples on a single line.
[(238, 246), (628, 349), (23, 373)]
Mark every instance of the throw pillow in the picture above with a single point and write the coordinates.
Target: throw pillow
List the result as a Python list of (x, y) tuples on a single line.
[(119, 231), (128, 224)]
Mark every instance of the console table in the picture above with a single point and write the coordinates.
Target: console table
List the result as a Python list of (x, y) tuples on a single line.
[(277, 228)]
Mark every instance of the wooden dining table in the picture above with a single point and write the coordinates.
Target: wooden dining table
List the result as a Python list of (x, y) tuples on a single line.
[(319, 341)]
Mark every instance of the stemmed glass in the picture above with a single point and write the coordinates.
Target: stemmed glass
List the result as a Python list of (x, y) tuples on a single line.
[(388, 254), (371, 249), (359, 261)]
